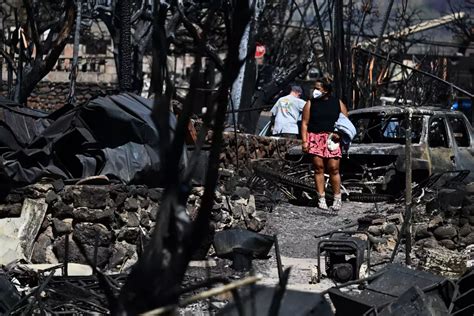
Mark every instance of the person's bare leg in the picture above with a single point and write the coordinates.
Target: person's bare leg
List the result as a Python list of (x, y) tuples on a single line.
[(335, 180), (318, 164), (334, 176)]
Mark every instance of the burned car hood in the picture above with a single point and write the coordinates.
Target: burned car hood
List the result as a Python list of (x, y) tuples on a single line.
[(377, 149)]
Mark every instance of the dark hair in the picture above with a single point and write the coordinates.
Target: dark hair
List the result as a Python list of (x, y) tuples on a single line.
[(296, 88), (326, 83)]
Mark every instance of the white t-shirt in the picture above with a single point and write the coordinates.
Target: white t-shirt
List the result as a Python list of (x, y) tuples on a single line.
[(287, 111)]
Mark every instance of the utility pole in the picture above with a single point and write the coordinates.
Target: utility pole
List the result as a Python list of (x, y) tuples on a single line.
[(408, 188), (71, 98)]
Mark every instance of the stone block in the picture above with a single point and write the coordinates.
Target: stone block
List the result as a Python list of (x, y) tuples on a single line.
[(375, 230), (90, 196), (14, 198), (435, 222), (470, 188), (85, 214), (62, 226), (445, 232), (76, 255), (118, 197), (463, 221), (39, 254), (241, 193), (85, 233), (465, 230), (450, 197), (51, 197), (390, 229), (421, 232), (468, 240), (60, 209), (429, 243), (10, 210), (468, 210), (154, 213), (132, 219), (448, 243), (128, 234), (144, 203), (131, 204), (120, 252), (145, 219)]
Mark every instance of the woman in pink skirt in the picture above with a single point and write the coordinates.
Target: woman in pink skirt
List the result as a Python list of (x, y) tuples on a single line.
[(319, 139)]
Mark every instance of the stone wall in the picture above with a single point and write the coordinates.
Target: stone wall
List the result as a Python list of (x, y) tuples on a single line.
[(443, 230), (118, 219), (50, 96), (252, 147), (451, 219)]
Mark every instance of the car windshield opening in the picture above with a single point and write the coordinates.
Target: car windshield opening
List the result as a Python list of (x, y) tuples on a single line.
[(384, 128)]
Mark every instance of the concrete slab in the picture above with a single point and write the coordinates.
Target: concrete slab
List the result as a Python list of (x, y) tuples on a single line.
[(18, 234), (74, 269)]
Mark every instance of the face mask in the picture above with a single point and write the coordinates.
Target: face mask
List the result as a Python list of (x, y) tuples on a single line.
[(317, 93)]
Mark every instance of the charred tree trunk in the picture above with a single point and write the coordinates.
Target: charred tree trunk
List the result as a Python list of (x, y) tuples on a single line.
[(156, 278), (125, 47), (47, 51), (19, 75)]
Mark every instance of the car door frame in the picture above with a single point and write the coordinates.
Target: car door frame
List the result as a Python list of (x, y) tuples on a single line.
[(463, 156), (441, 158)]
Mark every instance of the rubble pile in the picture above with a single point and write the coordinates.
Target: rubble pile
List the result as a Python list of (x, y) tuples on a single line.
[(252, 147), (383, 231), (443, 230), (448, 220), (236, 210), (116, 219)]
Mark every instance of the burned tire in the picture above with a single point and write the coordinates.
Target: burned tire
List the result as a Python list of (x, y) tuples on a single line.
[(370, 198)]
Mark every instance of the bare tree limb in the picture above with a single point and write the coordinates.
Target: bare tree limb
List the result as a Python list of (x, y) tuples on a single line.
[(197, 36), (9, 59), (33, 26)]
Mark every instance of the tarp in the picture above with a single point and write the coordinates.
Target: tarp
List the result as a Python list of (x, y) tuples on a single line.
[(113, 136), (19, 125)]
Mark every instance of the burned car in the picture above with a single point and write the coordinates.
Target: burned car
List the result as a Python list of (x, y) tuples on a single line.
[(441, 141)]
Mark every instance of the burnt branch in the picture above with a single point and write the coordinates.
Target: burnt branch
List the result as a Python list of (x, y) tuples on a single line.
[(174, 239), (9, 59), (33, 25), (199, 39)]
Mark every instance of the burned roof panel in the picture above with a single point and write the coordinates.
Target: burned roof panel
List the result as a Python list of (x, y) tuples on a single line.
[(391, 109)]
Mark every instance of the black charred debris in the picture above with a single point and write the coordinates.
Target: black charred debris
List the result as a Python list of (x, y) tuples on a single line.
[(105, 222)]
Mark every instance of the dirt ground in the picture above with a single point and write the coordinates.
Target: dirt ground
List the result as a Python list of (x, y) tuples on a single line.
[(296, 227)]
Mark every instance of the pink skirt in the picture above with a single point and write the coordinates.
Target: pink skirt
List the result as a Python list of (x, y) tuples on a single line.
[(317, 145)]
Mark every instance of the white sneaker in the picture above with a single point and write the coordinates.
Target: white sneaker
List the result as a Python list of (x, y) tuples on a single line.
[(337, 204), (322, 203)]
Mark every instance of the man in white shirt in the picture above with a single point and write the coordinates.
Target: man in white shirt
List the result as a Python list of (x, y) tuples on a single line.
[(286, 112)]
